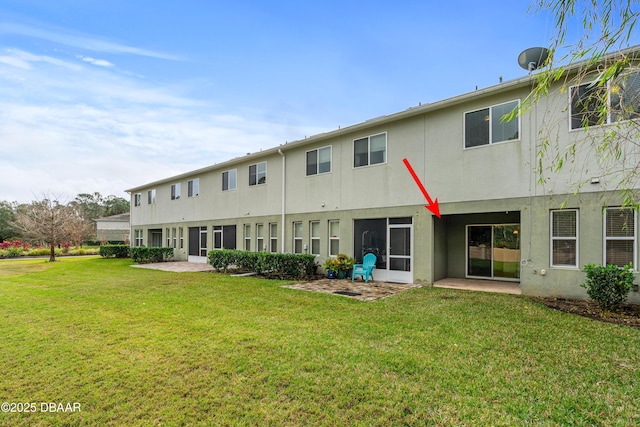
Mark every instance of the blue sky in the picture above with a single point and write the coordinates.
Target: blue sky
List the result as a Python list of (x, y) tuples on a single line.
[(105, 96)]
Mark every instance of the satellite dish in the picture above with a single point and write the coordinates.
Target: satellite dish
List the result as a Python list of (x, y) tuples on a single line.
[(532, 58)]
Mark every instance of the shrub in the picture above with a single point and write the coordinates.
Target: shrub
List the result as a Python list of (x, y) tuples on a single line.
[(608, 286), (283, 266), (143, 254), (117, 251)]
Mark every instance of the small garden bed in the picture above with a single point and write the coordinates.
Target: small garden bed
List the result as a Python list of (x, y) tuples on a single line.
[(628, 315)]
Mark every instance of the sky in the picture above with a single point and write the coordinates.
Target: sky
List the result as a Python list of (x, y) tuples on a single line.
[(102, 96)]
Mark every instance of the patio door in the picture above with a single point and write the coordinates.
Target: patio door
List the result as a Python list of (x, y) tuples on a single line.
[(493, 251), (400, 240)]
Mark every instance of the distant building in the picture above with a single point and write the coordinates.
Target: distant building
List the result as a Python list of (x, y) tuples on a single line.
[(115, 227)]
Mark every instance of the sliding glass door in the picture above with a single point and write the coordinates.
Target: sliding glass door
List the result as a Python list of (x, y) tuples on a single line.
[(493, 251)]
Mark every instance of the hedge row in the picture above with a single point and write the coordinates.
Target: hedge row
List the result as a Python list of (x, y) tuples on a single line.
[(282, 266), (143, 254), (117, 251)]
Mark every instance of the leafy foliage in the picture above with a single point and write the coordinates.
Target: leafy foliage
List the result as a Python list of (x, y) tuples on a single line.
[(609, 285), (291, 266), (143, 254), (116, 251)]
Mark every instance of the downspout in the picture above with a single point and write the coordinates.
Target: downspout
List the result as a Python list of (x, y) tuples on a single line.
[(284, 176)]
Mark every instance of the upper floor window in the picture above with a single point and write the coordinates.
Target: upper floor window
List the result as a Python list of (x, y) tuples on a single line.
[(319, 161), (593, 104), (258, 173), (620, 237), (488, 126), (229, 180), (175, 191), (193, 187), (137, 199), (151, 196), (370, 150)]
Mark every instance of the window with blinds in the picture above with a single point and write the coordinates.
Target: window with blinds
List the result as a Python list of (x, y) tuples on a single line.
[(564, 238), (620, 237)]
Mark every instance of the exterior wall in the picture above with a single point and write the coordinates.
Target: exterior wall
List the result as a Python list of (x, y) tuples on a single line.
[(112, 230), (491, 184)]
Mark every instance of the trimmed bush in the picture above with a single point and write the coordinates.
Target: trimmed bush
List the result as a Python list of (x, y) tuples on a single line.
[(282, 266), (117, 251), (143, 254), (608, 286)]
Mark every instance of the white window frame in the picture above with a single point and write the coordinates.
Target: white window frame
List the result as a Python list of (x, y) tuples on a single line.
[(139, 237), (176, 189), (575, 238), (297, 238), (368, 138), (490, 119), (247, 237), (181, 234), (168, 230), (217, 237), (317, 151), (193, 187), (334, 238), (609, 119), (314, 238), (259, 174), (229, 173), (137, 199), (634, 238), (174, 238), (260, 238), (151, 197), (273, 237)]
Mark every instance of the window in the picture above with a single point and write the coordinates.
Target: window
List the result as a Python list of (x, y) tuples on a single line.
[(168, 238), (229, 180), (151, 196), (247, 237), (138, 238), (260, 238), (137, 199), (487, 126), (314, 227), (564, 238), (258, 173), (297, 237), (181, 232), (595, 105), (334, 238), (273, 237), (217, 237), (174, 238), (370, 150), (193, 187), (175, 191), (319, 161), (224, 237), (620, 237)]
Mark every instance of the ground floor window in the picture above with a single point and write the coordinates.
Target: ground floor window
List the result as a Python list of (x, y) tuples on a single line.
[(181, 237), (260, 238), (297, 237), (273, 237), (564, 238), (247, 237), (224, 237), (174, 238), (334, 238), (620, 239), (168, 234), (138, 237), (314, 230)]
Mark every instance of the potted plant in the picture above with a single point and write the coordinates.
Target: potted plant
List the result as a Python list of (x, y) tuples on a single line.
[(339, 267)]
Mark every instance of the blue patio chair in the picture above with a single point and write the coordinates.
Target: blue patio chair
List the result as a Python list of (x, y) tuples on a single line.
[(365, 269)]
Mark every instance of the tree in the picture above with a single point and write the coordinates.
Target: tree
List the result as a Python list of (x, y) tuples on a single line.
[(7, 217), (47, 220), (599, 57), (93, 206)]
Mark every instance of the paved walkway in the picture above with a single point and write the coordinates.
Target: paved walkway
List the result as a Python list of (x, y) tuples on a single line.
[(480, 285)]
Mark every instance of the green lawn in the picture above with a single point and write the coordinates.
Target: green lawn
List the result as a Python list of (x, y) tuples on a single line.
[(142, 347)]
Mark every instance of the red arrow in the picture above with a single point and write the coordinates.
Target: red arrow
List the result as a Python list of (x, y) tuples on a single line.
[(433, 204)]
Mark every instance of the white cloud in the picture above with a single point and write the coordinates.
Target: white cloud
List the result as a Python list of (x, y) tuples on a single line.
[(81, 41), (98, 62)]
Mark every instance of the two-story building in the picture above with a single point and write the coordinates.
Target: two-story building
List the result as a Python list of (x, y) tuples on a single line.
[(349, 191)]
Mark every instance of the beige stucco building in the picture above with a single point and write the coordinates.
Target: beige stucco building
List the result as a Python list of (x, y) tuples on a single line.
[(349, 191)]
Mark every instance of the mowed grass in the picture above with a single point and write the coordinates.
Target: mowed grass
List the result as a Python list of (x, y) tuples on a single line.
[(138, 347)]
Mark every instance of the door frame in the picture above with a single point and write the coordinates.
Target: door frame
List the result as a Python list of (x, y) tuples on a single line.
[(466, 250)]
